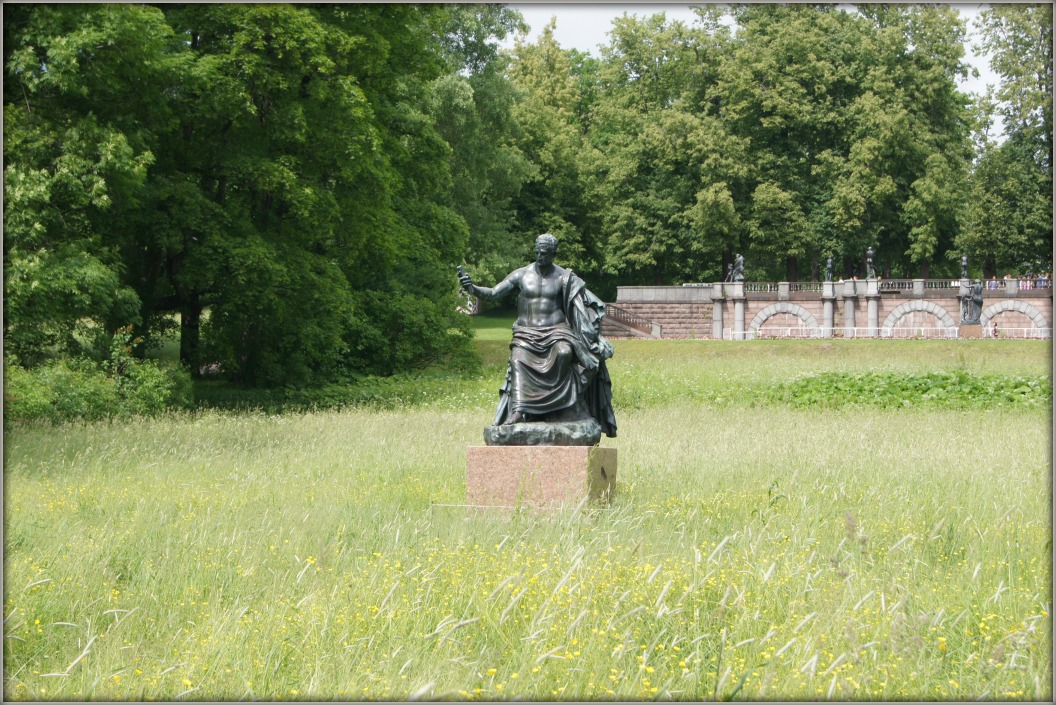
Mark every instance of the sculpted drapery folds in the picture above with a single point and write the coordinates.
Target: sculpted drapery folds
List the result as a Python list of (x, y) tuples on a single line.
[(557, 368)]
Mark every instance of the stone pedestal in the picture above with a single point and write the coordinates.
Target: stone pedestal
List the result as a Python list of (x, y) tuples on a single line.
[(733, 290), (539, 477), (970, 330)]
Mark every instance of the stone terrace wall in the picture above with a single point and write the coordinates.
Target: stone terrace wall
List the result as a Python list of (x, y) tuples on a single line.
[(682, 311), (687, 312), (679, 320), (1035, 301)]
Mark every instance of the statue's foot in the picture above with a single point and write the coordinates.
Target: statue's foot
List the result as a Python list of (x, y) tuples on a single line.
[(513, 418)]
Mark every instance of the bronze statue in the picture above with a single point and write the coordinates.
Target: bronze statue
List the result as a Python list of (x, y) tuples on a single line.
[(828, 269), (972, 305), (738, 268), (870, 271), (557, 369)]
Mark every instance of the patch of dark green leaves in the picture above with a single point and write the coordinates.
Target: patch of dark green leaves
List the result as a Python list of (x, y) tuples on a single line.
[(947, 390)]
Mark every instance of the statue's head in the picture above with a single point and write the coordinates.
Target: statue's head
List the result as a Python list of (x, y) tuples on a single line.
[(546, 241)]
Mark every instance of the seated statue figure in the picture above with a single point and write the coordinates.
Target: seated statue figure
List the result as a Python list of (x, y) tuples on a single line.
[(972, 304), (557, 369)]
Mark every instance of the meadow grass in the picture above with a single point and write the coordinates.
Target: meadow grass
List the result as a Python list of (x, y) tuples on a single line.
[(754, 552)]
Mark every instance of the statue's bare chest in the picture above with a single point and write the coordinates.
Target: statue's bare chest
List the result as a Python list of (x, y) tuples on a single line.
[(535, 286)]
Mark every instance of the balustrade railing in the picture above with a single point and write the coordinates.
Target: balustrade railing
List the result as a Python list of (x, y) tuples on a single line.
[(796, 332), (896, 285), (891, 284), (921, 332), (1018, 333), (900, 332)]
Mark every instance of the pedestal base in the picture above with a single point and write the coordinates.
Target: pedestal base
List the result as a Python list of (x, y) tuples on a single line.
[(538, 476), (584, 432), (970, 330)]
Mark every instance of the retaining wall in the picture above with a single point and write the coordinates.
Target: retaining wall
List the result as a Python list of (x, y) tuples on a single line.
[(687, 312)]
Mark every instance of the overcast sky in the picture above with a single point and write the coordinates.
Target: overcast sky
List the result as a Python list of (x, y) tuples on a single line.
[(584, 26)]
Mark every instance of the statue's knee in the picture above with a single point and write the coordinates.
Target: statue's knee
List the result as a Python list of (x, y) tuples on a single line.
[(563, 350)]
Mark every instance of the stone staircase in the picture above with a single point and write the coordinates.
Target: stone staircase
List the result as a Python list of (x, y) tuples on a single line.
[(621, 323)]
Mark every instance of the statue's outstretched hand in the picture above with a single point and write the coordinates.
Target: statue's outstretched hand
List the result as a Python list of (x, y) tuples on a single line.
[(465, 280)]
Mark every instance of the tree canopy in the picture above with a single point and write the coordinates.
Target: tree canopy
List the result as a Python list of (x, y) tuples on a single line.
[(277, 166), (291, 186), (1008, 222)]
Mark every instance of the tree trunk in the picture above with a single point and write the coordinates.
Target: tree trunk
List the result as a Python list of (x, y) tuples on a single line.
[(848, 267), (724, 268), (792, 268), (925, 269), (190, 334)]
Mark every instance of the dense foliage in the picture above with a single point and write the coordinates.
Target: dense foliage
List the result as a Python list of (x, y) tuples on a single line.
[(290, 186), (78, 390), (958, 389), (1009, 219), (273, 174)]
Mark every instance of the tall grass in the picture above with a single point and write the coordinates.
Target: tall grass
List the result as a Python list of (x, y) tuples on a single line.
[(751, 553)]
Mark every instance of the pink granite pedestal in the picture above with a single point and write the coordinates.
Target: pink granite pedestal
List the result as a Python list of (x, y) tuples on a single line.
[(538, 476)]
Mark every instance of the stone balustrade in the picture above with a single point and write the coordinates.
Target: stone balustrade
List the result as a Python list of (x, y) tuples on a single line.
[(898, 308)]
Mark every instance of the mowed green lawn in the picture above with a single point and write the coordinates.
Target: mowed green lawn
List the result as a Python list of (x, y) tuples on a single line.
[(753, 551)]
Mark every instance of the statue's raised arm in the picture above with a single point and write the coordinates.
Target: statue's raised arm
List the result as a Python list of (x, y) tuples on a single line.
[(504, 287)]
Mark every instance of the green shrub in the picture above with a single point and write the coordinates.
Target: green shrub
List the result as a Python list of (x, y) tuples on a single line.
[(78, 389), (143, 386), (62, 390), (952, 390)]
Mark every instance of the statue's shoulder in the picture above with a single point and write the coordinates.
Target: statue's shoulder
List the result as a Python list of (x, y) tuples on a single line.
[(520, 272), (567, 277)]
